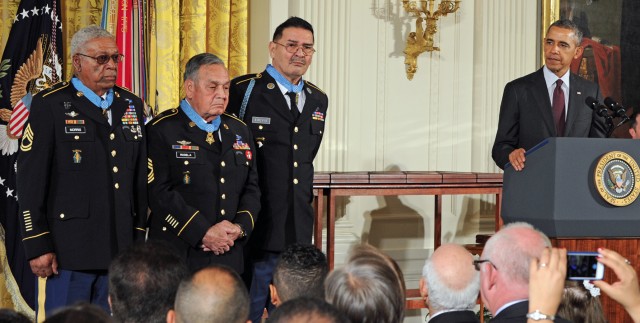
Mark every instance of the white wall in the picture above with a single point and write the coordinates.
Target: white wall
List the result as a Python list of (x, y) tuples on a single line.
[(444, 119)]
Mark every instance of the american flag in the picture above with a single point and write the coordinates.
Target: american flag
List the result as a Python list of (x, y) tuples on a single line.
[(19, 116)]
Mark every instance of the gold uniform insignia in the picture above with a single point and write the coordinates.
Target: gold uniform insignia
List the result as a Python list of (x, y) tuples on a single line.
[(150, 175), (27, 139)]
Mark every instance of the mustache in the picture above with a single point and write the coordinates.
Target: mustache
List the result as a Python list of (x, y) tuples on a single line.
[(298, 60)]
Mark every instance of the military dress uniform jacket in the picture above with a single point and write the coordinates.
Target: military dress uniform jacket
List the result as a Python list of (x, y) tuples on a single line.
[(285, 152), (194, 184), (82, 182)]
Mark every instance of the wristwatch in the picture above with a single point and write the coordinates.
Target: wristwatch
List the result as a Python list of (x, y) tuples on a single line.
[(538, 316), (242, 232)]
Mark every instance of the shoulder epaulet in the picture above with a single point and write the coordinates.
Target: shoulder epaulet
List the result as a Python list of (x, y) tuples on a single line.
[(163, 115), (56, 87), (314, 86), (234, 117), (248, 77), (123, 89)]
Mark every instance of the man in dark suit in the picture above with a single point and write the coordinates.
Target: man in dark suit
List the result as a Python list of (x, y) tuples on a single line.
[(450, 285), (538, 106), (504, 271), (82, 175), (634, 126), (203, 183), (286, 115)]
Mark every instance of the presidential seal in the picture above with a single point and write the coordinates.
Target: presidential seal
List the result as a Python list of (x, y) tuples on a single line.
[(616, 178)]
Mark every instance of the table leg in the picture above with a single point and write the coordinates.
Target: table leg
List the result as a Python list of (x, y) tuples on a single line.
[(437, 222), (331, 227), (317, 221)]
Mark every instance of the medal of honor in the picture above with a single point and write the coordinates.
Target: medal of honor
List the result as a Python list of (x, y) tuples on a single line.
[(210, 139)]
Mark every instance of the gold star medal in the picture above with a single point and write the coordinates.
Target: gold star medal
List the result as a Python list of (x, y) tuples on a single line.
[(210, 139)]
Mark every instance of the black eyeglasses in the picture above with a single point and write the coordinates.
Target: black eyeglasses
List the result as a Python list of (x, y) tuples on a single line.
[(103, 59), (293, 48), (476, 263)]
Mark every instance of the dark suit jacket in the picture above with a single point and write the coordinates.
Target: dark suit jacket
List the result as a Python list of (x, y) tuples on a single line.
[(82, 182), (526, 116), (456, 317), (285, 153), (517, 313), (194, 185)]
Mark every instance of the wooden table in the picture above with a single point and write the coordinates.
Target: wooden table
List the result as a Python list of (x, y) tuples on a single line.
[(329, 185)]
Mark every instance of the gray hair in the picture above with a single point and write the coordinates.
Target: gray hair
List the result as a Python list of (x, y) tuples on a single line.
[(568, 24), (511, 253), (84, 35), (442, 297), (195, 62)]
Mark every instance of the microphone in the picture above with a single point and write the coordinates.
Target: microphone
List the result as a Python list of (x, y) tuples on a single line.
[(615, 107), (601, 110)]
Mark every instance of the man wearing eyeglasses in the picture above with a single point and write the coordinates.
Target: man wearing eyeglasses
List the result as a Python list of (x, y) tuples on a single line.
[(82, 175), (504, 273), (286, 115)]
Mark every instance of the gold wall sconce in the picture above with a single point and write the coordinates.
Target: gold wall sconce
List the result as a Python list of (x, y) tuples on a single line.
[(421, 40)]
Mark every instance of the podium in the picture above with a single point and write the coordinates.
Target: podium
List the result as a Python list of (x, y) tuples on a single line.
[(558, 193)]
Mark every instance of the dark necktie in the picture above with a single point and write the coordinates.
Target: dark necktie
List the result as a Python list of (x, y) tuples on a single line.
[(558, 108), (294, 105)]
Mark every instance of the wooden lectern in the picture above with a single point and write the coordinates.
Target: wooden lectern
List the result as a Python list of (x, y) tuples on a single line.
[(557, 192)]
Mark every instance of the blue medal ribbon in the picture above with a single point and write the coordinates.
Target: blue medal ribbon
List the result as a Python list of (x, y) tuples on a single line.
[(283, 80), (197, 119), (92, 96)]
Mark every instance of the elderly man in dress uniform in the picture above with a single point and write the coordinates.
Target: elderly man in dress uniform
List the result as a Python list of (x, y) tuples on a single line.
[(82, 172), (203, 183), (286, 115)]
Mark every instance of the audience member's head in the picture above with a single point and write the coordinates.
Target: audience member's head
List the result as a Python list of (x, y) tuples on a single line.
[(634, 126), (143, 281), (79, 313), (504, 265), (367, 250), (307, 310), (580, 304), (215, 294), (301, 270), (449, 280), (367, 288), (8, 315)]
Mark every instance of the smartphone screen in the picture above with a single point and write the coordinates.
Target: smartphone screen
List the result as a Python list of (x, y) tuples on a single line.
[(584, 266)]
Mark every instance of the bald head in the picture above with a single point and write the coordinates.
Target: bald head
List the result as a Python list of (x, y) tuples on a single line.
[(213, 294), (505, 277), (450, 280)]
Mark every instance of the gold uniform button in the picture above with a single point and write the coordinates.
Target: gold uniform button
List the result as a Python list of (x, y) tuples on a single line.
[(295, 129), (76, 137), (135, 137), (222, 212), (186, 162), (112, 136), (224, 196), (164, 228), (260, 127), (115, 169), (295, 147), (295, 164), (62, 215), (222, 163), (222, 180), (113, 153), (295, 181), (116, 185)]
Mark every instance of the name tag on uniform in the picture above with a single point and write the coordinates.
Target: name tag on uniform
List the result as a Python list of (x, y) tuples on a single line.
[(186, 154), (261, 120), (69, 129)]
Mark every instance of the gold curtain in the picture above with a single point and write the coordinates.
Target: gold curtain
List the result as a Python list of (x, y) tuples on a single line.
[(192, 27)]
